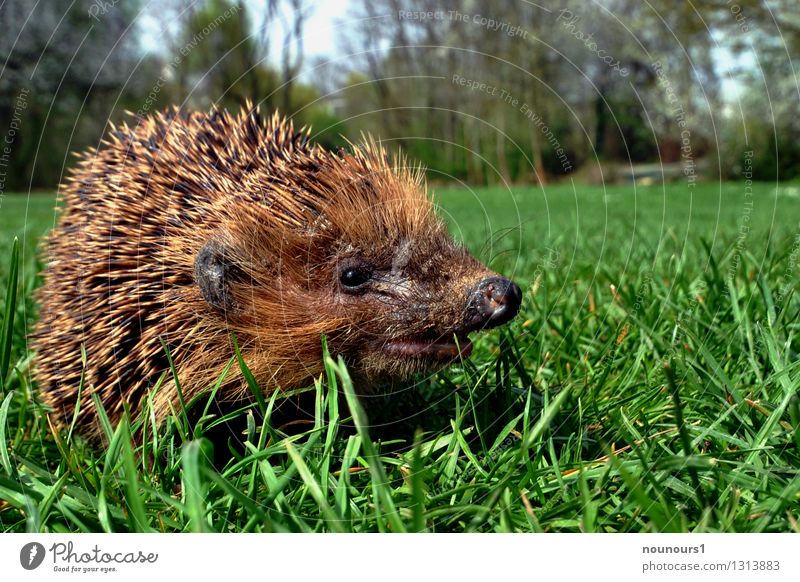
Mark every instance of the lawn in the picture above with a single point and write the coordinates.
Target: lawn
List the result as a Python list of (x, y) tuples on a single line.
[(650, 383)]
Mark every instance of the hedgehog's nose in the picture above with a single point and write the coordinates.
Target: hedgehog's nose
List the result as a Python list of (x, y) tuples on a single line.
[(492, 302)]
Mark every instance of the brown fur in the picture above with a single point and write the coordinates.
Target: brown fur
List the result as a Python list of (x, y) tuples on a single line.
[(137, 212)]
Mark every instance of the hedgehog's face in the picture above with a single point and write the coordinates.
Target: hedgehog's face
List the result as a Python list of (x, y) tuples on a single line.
[(359, 257), (411, 305), (391, 308)]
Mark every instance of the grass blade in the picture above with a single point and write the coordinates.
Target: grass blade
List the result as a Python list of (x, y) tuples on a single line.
[(8, 316), (192, 484), (380, 484)]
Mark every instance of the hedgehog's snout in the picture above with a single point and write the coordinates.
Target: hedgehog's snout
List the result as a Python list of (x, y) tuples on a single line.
[(492, 302)]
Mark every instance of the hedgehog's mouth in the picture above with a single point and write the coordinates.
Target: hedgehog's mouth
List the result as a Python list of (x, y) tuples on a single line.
[(440, 347)]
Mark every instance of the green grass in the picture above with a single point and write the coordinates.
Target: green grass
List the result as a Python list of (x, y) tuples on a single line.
[(650, 383)]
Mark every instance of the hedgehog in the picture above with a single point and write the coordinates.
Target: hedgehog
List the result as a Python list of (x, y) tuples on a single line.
[(188, 235)]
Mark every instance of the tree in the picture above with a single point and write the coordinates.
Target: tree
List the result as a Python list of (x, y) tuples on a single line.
[(68, 60)]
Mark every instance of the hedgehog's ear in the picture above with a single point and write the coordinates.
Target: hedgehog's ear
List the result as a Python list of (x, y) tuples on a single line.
[(214, 272)]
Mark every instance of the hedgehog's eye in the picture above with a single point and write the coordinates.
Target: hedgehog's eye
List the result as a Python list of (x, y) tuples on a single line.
[(354, 278)]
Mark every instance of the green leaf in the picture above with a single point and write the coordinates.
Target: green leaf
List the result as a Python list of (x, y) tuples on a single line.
[(8, 316)]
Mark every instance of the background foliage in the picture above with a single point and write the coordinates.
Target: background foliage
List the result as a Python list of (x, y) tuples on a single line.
[(590, 71)]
